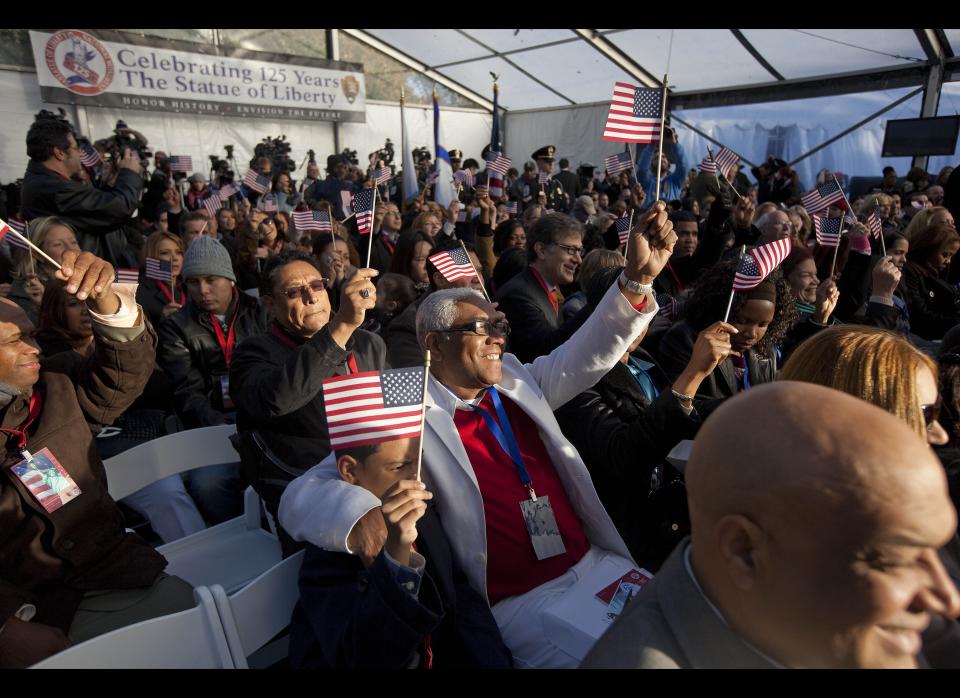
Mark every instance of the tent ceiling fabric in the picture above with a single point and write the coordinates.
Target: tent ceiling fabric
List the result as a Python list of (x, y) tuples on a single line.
[(542, 68)]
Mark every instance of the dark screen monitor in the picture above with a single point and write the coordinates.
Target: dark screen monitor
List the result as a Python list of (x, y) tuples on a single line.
[(932, 136)]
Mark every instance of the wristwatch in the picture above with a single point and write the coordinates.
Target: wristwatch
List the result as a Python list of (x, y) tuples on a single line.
[(635, 286)]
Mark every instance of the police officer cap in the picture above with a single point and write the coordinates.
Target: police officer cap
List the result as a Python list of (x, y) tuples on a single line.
[(546, 153), (455, 154)]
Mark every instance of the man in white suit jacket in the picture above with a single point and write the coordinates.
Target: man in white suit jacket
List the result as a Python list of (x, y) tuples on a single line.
[(323, 510)]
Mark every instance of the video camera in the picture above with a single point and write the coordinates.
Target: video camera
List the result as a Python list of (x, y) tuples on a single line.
[(125, 137)]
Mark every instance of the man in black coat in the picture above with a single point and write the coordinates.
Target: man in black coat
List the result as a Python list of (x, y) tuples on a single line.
[(569, 181), (98, 215), (277, 375)]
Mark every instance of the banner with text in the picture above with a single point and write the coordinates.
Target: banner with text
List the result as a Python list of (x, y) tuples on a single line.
[(86, 67)]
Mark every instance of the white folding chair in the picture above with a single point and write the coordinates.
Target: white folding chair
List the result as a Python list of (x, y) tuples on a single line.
[(192, 639), (231, 553), (256, 613)]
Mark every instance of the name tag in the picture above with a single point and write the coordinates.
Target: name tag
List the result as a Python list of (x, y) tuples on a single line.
[(542, 527), (225, 392), (48, 482)]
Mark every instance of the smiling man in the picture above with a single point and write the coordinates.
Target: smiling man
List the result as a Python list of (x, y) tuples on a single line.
[(814, 543), (515, 498)]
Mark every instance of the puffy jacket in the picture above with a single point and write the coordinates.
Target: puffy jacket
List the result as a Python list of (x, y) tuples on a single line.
[(193, 361)]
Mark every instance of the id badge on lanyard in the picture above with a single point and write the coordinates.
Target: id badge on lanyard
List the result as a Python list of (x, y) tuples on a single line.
[(537, 513)]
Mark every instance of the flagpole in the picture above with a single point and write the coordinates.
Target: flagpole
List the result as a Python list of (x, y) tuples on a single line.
[(626, 245), (479, 277), (726, 315), (663, 117), (373, 216), (883, 244), (10, 229), (423, 413), (836, 249)]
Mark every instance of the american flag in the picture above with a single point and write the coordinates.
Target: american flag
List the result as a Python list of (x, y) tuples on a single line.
[(757, 264), (623, 228), (255, 181), (615, 164), (373, 406), (180, 163), (828, 230), (543, 177), (158, 269), (13, 240), (724, 161), (634, 115), (382, 176), (498, 163), (228, 190), (268, 205), (363, 205), (453, 264), (431, 179), (821, 197), (495, 184), (669, 306), (312, 220), (212, 204), (127, 276), (874, 224), (511, 207), (463, 178), (89, 156), (708, 165)]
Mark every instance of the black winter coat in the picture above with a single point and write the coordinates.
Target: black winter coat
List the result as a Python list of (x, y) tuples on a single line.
[(153, 301), (933, 303), (193, 361)]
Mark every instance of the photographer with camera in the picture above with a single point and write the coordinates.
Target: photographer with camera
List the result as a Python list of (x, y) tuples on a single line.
[(98, 215), (671, 183)]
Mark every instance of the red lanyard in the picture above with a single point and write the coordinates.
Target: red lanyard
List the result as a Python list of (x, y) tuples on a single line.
[(36, 404), (166, 291), (543, 284), (676, 279), (293, 344), (386, 243), (226, 343)]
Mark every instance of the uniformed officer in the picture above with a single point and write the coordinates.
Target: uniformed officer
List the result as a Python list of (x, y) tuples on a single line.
[(456, 157), (553, 189), (585, 171)]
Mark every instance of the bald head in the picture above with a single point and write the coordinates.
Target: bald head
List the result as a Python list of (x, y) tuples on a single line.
[(816, 518)]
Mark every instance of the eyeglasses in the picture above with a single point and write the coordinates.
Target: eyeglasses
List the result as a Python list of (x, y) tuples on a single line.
[(484, 328), (931, 413), (569, 249), (307, 291)]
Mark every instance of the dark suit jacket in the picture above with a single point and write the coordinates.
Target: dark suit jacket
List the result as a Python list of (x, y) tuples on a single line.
[(379, 255), (536, 329), (670, 625), (350, 617), (571, 184)]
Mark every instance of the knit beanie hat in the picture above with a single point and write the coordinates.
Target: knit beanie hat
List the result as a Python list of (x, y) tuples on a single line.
[(207, 257)]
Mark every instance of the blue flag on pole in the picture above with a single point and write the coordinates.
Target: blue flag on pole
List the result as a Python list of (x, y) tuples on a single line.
[(410, 186), (443, 191)]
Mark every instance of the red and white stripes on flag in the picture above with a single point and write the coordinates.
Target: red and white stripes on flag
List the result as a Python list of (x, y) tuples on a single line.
[(462, 178), (821, 197), (827, 230), (158, 269), (511, 207), (623, 228), (543, 177), (89, 156), (256, 182), (212, 204), (13, 240), (382, 176), (180, 163), (453, 264), (373, 406), (634, 115), (757, 264), (312, 220), (874, 224), (615, 164), (498, 163), (725, 160), (363, 206), (127, 276), (228, 190), (269, 205)]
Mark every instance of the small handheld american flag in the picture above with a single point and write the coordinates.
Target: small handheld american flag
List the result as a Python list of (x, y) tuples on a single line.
[(821, 197), (623, 228), (89, 156), (382, 176), (373, 406), (453, 264), (312, 220), (615, 164), (725, 160), (363, 206), (874, 224), (498, 163), (127, 276), (180, 163), (463, 178), (757, 264), (14, 240), (634, 115), (228, 190), (269, 205), (543, 177), (158, 269), (212, 204), (256, 182), (511, 207), (827, 230)]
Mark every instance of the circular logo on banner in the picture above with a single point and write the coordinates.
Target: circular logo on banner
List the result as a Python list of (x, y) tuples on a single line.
[(351, 88), (79, 62)]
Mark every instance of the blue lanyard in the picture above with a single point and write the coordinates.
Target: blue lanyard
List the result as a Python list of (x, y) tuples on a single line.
[(505, 437), (746, 372)]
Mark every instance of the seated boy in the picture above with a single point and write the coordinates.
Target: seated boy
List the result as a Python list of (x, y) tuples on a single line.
[(412, 606)]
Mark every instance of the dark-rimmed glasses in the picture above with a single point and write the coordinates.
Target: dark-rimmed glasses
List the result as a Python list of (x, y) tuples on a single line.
[(569, 249), (484, 328)]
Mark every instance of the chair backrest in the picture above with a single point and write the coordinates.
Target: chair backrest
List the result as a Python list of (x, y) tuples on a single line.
[(256, 613), (142, 465), (192, 639)]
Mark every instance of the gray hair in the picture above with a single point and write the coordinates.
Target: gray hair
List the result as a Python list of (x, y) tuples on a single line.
[(766, 217), (439, 310)]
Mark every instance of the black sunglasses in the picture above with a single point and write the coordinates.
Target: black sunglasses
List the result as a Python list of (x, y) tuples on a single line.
[(931, 413)]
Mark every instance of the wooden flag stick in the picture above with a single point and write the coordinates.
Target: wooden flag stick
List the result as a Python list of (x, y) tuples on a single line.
[(663, 118), (9, 229), (836, 249), (883, 245), (423, 415), (373, 215), (479, 277), (33, 269), (626, 245), (726, 315)]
